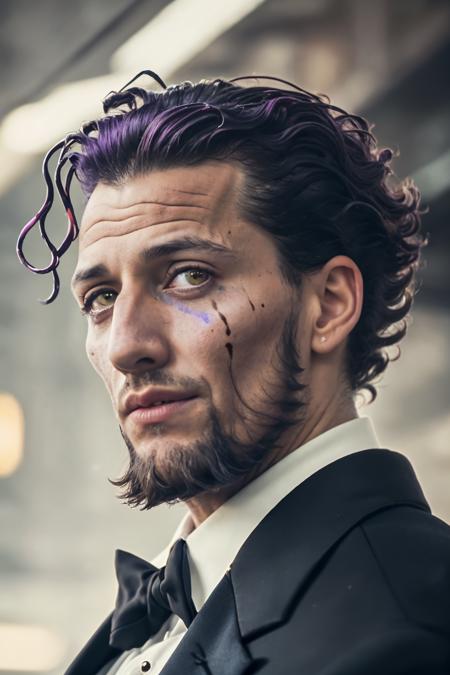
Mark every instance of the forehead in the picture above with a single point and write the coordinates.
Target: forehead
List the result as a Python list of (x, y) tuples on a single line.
[(203, 195)]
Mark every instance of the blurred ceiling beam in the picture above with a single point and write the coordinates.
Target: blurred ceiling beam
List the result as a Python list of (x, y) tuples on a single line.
[(26, 131)]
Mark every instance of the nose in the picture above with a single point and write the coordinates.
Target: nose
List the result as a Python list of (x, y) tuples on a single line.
[(137, 337)]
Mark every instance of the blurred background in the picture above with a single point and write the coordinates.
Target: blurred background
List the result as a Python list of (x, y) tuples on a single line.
[(60, 521)]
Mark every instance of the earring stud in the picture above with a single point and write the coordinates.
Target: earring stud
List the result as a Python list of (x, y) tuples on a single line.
[(323, 338)]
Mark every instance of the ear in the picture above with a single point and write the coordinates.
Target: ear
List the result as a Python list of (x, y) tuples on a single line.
[(339, 294)]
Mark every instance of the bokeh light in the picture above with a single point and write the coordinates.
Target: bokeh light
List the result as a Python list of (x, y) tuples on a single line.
[(11, 434)]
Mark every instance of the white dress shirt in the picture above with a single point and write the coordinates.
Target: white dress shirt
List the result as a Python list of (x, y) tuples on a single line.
[(213, 545)]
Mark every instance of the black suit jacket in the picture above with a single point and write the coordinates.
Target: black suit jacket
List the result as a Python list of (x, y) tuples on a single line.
[(348, 575)]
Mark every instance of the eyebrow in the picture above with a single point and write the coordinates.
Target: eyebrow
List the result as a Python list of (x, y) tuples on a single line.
[(188, 243)]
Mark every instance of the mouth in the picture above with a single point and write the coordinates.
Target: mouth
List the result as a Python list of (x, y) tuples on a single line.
[(159, 411), (154, 408)]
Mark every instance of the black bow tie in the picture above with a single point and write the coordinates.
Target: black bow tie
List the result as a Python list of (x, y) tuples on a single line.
[(148, 596)]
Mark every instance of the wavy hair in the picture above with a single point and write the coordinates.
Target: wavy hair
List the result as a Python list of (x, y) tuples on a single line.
[(314, 179)]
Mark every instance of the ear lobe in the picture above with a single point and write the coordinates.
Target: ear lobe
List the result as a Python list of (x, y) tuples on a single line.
[(340, 298)]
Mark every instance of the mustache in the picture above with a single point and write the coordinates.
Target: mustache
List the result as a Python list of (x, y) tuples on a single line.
[(138, 381)]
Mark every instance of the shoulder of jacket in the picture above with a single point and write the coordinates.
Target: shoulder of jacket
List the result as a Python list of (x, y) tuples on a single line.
[(412, 550)]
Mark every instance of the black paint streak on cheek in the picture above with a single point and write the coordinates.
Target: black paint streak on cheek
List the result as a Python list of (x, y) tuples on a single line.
[(229, 348), (250, 302), (224, 318)]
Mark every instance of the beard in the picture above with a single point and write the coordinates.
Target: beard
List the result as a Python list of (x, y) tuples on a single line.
[(218, 459)]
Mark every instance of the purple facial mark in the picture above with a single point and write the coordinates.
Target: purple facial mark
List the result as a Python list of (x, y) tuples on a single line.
[(203, 316), (224, 318), (229, 348)]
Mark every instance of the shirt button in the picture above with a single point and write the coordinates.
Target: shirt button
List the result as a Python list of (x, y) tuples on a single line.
[(145, 666)]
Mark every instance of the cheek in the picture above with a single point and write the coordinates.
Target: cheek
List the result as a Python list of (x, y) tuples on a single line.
[(202, 344), (239, 336), (96, 358), (254, 340), (200, 351)]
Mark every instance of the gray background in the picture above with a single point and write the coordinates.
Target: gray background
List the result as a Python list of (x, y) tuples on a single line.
[(59, 519)]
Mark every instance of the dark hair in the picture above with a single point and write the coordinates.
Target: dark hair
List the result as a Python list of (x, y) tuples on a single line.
[(315, 180)]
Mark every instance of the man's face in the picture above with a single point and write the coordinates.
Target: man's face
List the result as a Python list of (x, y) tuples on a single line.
[(205, 320)]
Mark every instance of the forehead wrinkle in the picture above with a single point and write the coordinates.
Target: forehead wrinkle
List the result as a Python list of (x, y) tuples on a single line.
[(152, 202), (212, 203), (146, 214), (113, 213), (191, 192), (136, 229)]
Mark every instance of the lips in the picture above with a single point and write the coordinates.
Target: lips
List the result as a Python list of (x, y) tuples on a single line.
[(150, 398), (156, 414)]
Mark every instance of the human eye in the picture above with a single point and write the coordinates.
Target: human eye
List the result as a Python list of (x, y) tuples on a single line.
[(194, 276), (97, 302)]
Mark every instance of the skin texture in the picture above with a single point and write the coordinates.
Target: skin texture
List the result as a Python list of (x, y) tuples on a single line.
[(190, 331)]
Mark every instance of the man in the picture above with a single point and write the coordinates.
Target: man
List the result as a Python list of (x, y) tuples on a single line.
[(243, 264)]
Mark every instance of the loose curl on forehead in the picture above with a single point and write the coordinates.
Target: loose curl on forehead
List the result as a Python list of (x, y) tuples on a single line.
[(314, 179)]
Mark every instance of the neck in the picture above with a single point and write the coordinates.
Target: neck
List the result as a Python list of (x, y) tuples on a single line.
[(319, 420)]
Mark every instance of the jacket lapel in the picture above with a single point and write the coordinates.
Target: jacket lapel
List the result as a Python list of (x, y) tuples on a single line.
[(278, 558), (213, 644), (283, 551), (96, 652)]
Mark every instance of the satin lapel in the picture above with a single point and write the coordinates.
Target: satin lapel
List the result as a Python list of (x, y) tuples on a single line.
[(213, 643), (96, 652), (276, 561)]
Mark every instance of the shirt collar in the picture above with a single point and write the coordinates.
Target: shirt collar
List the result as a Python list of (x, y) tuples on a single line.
[(213, 545)]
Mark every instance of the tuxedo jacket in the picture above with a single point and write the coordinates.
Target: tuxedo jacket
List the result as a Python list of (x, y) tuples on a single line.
[(348, 575)]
